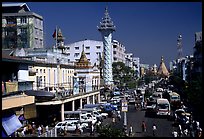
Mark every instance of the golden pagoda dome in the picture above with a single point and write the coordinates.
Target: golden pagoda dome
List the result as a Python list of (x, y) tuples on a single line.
[(162, 70), (83, 61)]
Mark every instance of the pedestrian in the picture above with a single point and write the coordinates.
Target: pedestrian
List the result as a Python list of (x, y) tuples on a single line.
[(144, 127), (39, 130), (119, 116), (46, 128), (180, 133), (42, 129), (154, 128), (175, 134), (200, 132), (30, 129), (113, 120), (130, 130)]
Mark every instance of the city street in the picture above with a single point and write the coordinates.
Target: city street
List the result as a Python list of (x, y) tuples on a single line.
[(135, 117)]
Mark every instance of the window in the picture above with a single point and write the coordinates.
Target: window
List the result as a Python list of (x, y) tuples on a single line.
[(76, 48), (23, 20), (87, 47), (114, 46), (44, 70), (40, 70), (76, 54), (114, 52), (44, 81), (98, 47), (68, 48), (87, 53), (37, 70), (68, 54), (23, 30)]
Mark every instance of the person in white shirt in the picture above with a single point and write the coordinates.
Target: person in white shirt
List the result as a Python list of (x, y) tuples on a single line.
[(39, 130), (175, 134), (154, 128)]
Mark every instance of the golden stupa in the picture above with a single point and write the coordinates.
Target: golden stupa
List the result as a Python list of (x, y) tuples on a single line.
[(83, 61), (162, 70)]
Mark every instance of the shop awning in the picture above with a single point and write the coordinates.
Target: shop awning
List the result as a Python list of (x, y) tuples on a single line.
[(11, 124)]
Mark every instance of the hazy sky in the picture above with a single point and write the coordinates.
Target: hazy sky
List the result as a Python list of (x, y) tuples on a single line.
[(147, 29)]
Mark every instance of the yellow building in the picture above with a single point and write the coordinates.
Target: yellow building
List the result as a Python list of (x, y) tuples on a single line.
[(51, 77)]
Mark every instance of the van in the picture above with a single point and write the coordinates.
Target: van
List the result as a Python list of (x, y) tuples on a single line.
[(79, 115)]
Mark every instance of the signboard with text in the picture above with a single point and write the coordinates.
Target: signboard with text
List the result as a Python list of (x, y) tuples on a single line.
[(124, 105)]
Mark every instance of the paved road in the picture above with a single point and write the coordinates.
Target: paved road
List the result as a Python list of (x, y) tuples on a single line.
[(135, 117)]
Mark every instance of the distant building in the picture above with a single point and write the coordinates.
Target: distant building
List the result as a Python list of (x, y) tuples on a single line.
[(118, 52), (21, 28), (136, 65), (129, 60), (143, 69), (198, 53)]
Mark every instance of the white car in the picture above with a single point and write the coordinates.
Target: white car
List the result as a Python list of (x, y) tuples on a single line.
[(104, 115), (67, 125)]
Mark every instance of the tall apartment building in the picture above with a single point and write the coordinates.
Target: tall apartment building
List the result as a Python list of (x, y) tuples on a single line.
[(129, 60), (94, 50), (118, 52), (21, 28)]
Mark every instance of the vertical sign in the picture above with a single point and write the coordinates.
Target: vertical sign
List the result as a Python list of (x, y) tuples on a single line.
[(124, 105)]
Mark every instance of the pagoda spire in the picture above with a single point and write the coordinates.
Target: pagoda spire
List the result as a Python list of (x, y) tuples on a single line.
[(162, 70)]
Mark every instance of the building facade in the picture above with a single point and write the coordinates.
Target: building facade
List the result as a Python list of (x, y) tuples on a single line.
[(21, 28), (136, 65), (129, 60), (93, 49), (118, 51)]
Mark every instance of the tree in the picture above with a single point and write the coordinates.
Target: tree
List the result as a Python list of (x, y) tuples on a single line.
[(123, 75), (109, 131)]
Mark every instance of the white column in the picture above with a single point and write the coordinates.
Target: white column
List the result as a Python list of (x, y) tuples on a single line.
[(93, 97), (80, 103), (73, 105), (99, 98), (87, 100), (62, 112)]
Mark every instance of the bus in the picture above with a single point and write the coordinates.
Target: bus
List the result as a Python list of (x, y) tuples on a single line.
[(163, 107), (175, 100)]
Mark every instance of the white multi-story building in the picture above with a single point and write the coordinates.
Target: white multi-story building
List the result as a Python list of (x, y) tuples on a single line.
[(21, 28), (129, 60), (136, 65), (93, 49), (118, 52)]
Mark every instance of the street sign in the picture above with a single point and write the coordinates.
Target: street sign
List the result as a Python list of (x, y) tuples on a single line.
[(124, 109), (124, 105)]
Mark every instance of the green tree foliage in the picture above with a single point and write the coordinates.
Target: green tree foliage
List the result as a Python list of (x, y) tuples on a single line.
[(109, 131), (123, 75)]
